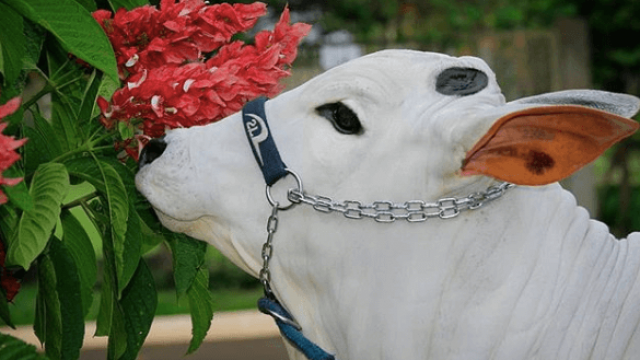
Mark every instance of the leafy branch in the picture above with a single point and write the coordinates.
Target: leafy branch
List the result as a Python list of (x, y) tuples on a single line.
[(70, 146)]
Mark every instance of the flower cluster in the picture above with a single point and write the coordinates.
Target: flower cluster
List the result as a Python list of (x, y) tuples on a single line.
[(181, 67), (8, 145), (8, 282)]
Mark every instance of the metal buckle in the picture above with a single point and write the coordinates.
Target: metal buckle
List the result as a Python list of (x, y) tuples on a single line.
[(275, 203), (281, 318)]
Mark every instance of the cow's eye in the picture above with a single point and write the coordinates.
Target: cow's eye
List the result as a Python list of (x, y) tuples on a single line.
[(342, 118)]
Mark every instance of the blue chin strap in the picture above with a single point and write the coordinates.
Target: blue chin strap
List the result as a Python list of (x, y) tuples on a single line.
[(273, 169)]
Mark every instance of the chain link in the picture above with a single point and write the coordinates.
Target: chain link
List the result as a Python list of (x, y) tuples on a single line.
[(411, 211), (267, 251)]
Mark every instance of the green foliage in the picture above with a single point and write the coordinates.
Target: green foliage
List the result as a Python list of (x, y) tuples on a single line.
[(15, 349), (11, 38), (139, 301), (80, 249), (127, 4), (615, 56), (69, 146), (188, 258), (48, 187), (74, 27), (59, 325), (437, 22), (201, 307)]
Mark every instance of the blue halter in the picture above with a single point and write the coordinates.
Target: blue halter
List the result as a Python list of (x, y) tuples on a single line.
[(273, 169), (264, 148)]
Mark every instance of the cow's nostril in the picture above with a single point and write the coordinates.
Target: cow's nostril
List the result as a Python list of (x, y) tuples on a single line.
[(152, 151)]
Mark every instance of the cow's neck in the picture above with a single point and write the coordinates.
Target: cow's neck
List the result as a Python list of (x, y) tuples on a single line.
[(489, 284)]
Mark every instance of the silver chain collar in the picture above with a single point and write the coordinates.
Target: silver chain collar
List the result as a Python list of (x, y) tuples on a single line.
[(381, 211), (411, 211)]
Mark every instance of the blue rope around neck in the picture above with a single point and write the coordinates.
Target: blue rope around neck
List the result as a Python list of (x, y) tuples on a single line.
[(291, 333)]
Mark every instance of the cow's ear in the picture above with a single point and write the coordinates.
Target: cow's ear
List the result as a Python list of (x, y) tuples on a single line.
[(620, 104), (542, 145)]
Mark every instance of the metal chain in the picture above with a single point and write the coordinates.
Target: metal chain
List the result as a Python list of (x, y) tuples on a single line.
[(411, 211), (267, 251), (381, 211)]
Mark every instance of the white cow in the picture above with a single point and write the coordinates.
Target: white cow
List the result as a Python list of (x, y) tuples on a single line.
[(526, 276)]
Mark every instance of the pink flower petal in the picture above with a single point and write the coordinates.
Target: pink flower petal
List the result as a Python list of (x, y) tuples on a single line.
[(10, 107)]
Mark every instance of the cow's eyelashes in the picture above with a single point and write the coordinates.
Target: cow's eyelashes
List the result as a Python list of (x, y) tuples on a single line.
[(342, 118)]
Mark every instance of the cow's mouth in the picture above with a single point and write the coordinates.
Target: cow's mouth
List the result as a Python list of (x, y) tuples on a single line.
[(174, 224)]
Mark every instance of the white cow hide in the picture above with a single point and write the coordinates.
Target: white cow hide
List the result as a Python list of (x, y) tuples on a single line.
[(527, 276)]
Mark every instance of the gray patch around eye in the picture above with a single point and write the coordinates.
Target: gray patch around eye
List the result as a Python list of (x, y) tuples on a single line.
[(461, 81)]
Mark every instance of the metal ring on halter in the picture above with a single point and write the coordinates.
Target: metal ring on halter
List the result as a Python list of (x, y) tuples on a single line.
[(273, 202)]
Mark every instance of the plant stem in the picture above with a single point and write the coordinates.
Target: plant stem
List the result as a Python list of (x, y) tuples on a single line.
[(79, 150), (86, 147), (100, 139), (80, 201), (47, 89), (69, 83), (57, 72)]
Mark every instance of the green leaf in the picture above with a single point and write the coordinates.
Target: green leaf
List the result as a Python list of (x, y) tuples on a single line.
[(48, 188), (83, 253), (201, 308), (34, 36), (127, 4), (128, 176), (59, 318), (109, 321), (12, 43), (150, 239), (90, 5), (8, 221), (89, 98), (86, 169), (15, 349), (108, 296), (74, 27), (52, 142), (18, 194), (48, 322), (43, 144), (118, 336), (63, 120), (126, 130), (139, 302), (133, 245), (118, 206), (188, 257), (128, 263), (109, 183), (70, 299), (5, 315)]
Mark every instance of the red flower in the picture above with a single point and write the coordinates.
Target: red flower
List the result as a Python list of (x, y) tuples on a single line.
[(145, 37), (8, 144), (8, 281), (168, 82)]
